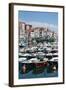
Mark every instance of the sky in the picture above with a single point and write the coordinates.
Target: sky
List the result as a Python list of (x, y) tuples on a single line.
[(49, 19)]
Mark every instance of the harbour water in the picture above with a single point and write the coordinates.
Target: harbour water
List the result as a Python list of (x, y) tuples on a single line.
[(46, 73)]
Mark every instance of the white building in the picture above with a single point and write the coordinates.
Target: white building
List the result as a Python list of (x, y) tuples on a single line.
[(21, 29), (49, 33), (36, 32)]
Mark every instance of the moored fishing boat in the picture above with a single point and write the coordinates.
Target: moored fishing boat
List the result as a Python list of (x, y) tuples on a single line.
[(49, 55), (40, 66)]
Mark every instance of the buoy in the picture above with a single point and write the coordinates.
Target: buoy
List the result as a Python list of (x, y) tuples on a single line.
[(24, 68), (54, 68)]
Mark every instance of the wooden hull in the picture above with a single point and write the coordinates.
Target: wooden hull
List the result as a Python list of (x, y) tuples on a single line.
[(39, 67)]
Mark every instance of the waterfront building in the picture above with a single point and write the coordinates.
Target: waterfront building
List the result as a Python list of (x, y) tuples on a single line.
[(27, 33), (21, 29), (36, 32)]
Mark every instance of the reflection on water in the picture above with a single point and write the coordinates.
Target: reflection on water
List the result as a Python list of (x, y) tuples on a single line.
[(40, 71)]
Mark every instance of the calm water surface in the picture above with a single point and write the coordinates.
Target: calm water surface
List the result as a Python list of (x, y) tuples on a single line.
[(44, 74)]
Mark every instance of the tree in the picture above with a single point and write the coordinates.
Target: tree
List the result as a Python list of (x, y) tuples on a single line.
[(52, 39)]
